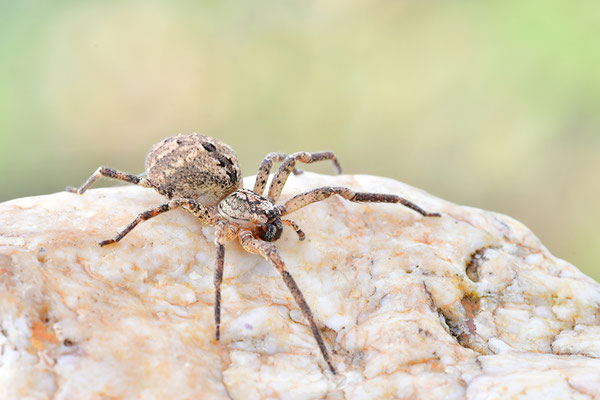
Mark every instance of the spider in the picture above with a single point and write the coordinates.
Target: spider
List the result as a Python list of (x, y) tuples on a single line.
[(202, 175)]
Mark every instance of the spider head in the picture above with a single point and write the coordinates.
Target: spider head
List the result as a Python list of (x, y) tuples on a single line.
[(270, 231), (249, 210)]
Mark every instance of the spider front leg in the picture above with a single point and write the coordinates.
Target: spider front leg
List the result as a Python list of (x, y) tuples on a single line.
[(304, 199), (217, 280), (114, 174), (224, 234), (265, 168), (269, 252), (289, 164)]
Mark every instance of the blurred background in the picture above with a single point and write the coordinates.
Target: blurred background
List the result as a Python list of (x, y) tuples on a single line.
[(489, 104)]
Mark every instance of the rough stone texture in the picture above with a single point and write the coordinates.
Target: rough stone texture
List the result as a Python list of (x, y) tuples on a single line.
[(470, 305)]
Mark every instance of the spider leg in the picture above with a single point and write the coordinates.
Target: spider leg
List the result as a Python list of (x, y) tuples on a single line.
[(295, 227), (289, 164), (223, 234), (312, 196), (217, 280), (203, 213), (265, 168), (114, 174), (269, 252), (151, 213)]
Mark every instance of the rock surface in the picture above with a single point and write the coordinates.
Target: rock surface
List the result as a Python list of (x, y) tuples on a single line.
[(469, 305)]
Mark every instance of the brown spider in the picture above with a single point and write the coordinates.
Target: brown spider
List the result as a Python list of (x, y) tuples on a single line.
[(202, 175)]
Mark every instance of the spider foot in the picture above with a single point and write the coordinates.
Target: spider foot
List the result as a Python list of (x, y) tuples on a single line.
[(331, 368), (106, 242), (72, 189)]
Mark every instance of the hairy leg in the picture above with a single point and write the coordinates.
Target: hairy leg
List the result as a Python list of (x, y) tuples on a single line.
[(217, 280), (203, 213), (304, 199), (206, 215), (269, 252), (289, 164), (224, 234), (265, 168), (114, 174)]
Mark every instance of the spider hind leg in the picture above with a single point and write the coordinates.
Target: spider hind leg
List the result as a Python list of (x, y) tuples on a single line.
[(114, 174), (198, 210), (144, 216)]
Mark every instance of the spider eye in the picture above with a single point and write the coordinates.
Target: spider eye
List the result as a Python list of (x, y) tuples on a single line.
[(271, 231)]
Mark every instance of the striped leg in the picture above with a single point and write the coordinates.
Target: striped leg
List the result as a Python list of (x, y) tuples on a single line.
[(224, 233), (269, 252), (203, 213), (265, 169), (289, 164), (114, 174), (304, 199)]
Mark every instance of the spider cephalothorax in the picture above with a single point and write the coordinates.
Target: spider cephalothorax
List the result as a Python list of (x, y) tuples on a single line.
[(202, 175), (247, 209)]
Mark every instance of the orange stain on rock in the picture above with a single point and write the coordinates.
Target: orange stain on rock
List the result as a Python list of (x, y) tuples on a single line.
[(40, 335)]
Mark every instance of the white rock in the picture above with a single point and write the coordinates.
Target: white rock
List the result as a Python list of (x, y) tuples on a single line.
[(470, 305)]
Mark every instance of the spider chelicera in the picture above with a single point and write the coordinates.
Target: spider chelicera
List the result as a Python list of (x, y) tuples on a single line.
[(202, 175)]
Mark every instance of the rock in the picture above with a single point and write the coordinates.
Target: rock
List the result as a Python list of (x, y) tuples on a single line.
[(469, 305)]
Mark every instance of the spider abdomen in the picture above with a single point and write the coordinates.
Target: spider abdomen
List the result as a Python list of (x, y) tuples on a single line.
[(194, 167)]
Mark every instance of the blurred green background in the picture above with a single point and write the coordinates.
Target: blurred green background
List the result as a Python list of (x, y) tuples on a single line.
[(490, 104)]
